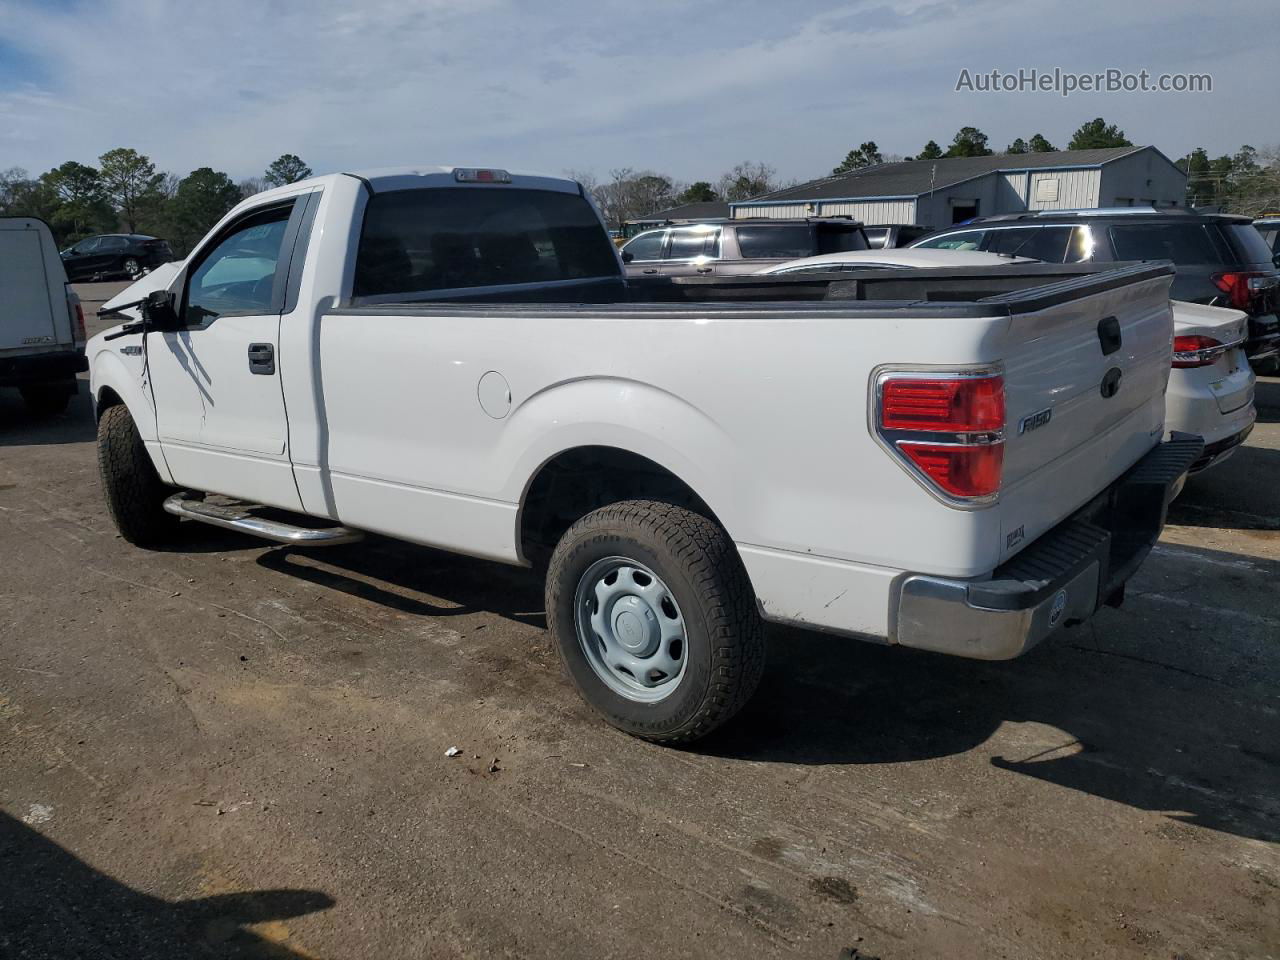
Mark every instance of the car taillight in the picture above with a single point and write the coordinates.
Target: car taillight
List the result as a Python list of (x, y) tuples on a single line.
[(1244, 287), (80, 333), (1197, 351), (948, 429)]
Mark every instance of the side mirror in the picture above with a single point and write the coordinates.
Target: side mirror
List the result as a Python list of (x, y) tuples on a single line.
[(158, 308), (627, 257)]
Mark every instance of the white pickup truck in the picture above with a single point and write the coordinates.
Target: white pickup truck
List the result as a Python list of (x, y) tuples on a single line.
[(963, 460)]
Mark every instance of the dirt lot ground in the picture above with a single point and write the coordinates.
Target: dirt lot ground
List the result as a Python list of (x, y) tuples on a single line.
[(233, 750)]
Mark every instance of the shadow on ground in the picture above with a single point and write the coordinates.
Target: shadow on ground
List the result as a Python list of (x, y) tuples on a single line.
[(1240, 493), (54, 905), (19, 427), (1132, 711), (390, 573), (1178, 727)]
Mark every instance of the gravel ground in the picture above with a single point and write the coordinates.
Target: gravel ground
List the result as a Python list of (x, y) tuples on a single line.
[(237, 750)]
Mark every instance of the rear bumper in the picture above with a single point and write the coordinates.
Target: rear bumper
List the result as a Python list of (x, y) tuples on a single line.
[(1219, 450), (1057, 581), (41, 367)]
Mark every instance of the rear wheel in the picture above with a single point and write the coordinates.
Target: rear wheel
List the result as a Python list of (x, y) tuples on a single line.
[(1268, 367), (135, 493), (132, 268), (47, 399), (655, 619)]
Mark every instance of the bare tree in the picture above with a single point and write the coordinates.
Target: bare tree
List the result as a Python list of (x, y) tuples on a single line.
[(251, 185), (634, 193), (746, 180)]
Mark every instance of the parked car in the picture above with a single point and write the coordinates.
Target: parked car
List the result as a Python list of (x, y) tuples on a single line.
[(890, 235), (1221, 260), (41, 322), (1269, 227), (1211, 387), (736, 247), (113, 255), (468, 368)]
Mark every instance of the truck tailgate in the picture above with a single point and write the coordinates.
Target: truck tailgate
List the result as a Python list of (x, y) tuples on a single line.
[(1085, 380), (27, 318)]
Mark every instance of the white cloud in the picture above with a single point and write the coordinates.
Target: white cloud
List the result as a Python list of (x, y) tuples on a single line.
[(686, 88)]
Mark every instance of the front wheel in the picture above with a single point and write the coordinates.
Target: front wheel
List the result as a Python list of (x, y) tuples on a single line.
[(135, 492), (655, 619)]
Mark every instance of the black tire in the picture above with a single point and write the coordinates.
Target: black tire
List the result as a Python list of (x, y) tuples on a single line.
[(131, 267), (698, 562), (135, 493), (47, 399), (1267, 368)]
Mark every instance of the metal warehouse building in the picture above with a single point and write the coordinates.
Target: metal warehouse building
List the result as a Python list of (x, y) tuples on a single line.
[(938, 193)]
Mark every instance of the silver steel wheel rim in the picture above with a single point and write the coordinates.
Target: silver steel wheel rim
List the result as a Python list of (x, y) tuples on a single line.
[(630, 629)]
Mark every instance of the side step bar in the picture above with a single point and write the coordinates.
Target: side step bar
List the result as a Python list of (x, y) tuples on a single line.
[(239, 516)]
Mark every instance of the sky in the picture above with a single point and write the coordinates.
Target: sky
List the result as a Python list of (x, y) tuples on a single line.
[(687, 89)]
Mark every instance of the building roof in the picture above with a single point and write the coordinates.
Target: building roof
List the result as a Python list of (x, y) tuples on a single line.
[(911, 178), (713, 210)]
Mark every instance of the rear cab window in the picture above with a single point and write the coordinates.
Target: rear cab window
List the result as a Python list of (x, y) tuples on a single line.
[(457, 237)]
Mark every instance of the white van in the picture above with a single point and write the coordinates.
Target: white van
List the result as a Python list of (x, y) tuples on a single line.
[(41, 322)]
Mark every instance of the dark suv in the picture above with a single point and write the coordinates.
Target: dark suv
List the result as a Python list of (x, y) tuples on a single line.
[(113, 255), (736, 247), (1221, 260)]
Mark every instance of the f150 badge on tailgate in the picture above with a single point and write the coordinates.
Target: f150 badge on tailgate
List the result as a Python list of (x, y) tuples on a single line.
[(1034, 421)]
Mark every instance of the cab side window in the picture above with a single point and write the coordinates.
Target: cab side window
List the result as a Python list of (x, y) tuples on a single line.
[(236, 277), (647, 246), (687, 244)]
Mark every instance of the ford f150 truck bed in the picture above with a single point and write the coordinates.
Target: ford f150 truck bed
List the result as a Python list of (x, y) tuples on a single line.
[(961, 460)]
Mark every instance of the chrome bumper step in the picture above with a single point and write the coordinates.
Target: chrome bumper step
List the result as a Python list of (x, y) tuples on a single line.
[(240, 516)]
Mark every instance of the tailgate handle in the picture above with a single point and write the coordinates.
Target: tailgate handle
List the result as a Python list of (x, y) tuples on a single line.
[(1109, 335), (1111, 383)]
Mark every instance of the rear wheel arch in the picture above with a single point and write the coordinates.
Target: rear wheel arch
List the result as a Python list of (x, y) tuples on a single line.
[(572, 483)]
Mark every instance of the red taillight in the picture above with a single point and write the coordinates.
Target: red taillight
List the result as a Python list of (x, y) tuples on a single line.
[(1196, 351), (949, 428), (962, 471), (1243, 287), (956, 405), (80, 333)]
